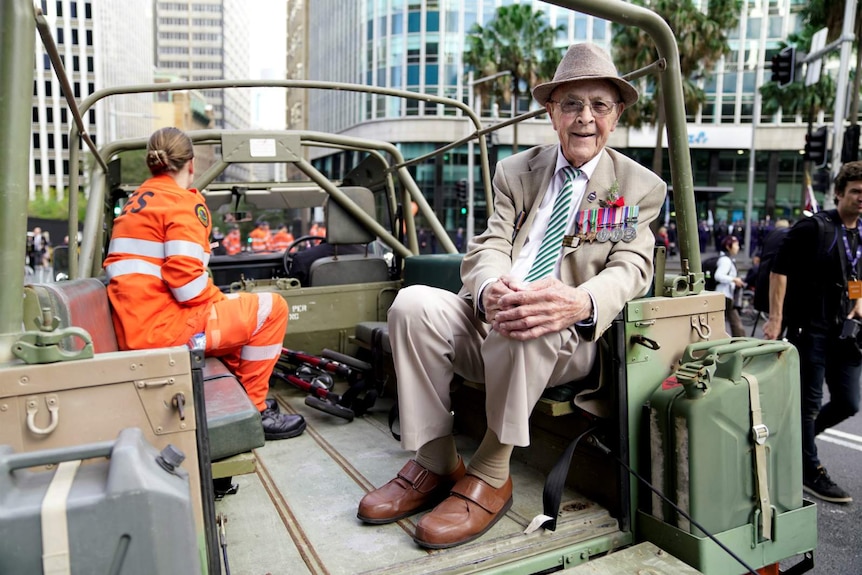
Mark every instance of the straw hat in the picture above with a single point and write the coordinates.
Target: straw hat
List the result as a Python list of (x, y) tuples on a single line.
[(586, 62)]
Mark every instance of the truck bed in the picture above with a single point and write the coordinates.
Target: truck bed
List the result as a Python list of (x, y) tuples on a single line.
[(297, 513)]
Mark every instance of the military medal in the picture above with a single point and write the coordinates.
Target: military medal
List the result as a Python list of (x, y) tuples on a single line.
[(582, 226), (630, 232), (603, 234), (617, 231), (591, 236)]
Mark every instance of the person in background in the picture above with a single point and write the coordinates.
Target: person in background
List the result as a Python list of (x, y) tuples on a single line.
[(814, 292), (460, 240), (261, 237), (161, 294), (727, 281), (541, 284), (282, 239), (769, 249), (232, 241), (218, 242), (661, 238)]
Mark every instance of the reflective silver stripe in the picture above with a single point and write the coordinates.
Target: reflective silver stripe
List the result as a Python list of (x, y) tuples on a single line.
[(233, 295), (260, 352), (137, 247), (192, 289), (124, 267), (264, 308), (184, 248)]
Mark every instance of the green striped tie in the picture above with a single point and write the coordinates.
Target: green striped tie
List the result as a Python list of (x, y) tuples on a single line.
[(549, 251)]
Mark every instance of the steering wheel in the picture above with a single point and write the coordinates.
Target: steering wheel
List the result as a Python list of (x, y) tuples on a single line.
[(294, 247)]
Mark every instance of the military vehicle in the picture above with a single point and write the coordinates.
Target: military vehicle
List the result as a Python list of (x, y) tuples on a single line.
[(695, 468)]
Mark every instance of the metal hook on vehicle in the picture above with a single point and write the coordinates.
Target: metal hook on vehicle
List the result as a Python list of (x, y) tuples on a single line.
[(700, 324), (53, 403)]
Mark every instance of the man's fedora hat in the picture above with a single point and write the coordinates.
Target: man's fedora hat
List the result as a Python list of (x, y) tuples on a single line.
[(586, 61)]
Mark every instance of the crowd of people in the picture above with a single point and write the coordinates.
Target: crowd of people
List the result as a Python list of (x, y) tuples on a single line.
[(260, 239)]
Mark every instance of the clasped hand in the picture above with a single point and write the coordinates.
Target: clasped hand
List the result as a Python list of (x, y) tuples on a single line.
[(525, 311)]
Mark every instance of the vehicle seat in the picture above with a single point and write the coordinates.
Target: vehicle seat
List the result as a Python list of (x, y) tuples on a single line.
[(343, 229), (232, 419)]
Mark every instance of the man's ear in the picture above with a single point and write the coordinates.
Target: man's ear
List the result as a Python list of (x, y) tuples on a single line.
[(549, 107)]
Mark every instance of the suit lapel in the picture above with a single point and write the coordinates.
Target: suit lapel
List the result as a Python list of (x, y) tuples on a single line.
[(534, 186)]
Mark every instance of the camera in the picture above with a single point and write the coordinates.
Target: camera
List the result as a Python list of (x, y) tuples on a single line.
[(850, 329)]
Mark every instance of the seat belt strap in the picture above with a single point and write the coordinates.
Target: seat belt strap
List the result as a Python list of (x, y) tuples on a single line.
[(759, 434), (55, 528), (552, 493)]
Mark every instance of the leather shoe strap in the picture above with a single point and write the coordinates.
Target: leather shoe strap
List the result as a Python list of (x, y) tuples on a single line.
[(488, 498), (418, 477)]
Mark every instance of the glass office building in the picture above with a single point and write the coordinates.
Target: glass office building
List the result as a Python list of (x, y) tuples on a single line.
[(418, 45)]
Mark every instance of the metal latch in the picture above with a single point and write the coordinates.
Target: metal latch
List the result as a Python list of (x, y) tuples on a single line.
[(760, 433)]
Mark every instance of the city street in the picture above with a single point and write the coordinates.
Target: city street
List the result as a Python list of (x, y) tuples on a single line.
[(838, 551)]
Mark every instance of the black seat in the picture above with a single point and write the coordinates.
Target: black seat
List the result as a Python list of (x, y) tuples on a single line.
[(342, 229)]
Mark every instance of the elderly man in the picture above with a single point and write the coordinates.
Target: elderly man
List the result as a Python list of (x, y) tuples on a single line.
[(568, 244)]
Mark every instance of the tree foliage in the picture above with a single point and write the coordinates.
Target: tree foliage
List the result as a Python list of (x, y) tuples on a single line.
[(51, 208), (702, 40), (518, 40), (796, 98)]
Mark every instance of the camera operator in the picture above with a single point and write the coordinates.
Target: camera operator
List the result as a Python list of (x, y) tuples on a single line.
[(818, 270)]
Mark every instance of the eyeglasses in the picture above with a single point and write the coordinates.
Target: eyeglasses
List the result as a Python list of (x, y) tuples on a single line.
[(599, 107)]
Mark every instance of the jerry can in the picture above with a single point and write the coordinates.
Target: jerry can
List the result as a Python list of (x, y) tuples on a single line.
[(128, 514), (725, 436)]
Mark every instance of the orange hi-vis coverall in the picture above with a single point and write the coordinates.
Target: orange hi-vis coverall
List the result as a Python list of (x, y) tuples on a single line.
[(281, 241), (232, 243), (261, 241), (161, 294)]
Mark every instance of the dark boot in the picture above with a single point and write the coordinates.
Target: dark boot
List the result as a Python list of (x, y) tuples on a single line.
[(281, 425)]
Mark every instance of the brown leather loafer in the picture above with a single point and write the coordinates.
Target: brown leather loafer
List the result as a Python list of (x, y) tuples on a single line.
[(471, 509), (414, 489)]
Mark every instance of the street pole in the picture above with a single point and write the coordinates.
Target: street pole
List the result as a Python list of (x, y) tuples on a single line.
[(755, 121), (471, 225), (841, 96)]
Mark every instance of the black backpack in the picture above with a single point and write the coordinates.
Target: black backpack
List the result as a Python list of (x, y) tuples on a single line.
[(709, 266)]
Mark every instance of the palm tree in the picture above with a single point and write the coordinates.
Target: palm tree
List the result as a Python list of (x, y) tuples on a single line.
[(795, 98), (702, 39), (517, 40)]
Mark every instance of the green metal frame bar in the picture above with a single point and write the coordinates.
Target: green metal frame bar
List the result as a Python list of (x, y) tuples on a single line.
[(91, 100), (90, 264), (16, 69)]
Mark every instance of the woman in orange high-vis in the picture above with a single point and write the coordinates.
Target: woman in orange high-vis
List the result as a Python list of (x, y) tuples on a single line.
[(232, 242), (161, 294)]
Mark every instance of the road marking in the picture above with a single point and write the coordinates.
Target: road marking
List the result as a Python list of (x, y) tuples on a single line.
[(844, 435), (840, 442)]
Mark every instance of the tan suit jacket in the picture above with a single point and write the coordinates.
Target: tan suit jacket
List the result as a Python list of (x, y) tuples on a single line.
[(613, 272)]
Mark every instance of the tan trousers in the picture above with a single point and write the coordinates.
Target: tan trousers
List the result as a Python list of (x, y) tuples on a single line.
[(435, 334)]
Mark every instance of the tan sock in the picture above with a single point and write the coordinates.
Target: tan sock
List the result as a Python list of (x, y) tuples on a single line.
[(491, 461), (439, 455)]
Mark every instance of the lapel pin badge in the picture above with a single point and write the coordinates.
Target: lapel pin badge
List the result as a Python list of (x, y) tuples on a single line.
[(591, 197)]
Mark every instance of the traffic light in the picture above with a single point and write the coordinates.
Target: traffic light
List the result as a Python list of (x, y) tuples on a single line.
[(850, 149), (815, 147), (784, 66), (461, 191), (820, 182)]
